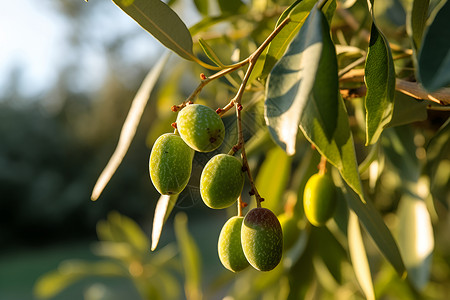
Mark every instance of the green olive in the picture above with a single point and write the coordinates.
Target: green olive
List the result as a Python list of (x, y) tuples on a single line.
[(170, 164), (229, 246), (319, 199)]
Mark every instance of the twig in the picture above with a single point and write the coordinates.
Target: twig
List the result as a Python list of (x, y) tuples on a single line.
[(412, 89)]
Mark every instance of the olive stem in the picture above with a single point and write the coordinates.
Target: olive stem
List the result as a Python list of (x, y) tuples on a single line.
[(239, 204), (251, 60), (322, 165)]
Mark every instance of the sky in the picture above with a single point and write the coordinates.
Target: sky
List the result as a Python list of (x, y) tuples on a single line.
[(33, 38)]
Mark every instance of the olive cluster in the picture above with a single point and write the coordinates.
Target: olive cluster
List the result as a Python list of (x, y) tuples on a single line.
[(255, 239)]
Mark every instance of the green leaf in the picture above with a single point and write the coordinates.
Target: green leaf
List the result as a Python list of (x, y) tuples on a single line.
[(438, 164), (376, 228), (190, 256), (202, 6), (162, 22), (304, 82), (129, 126), (434, 56), (358, 256), (416, 21), (380, 82), (210, 53), (273, 177), (297, 12), (68, 272), (232, 6), (415, 238), (408, 110), (400, 150), (125, 230), (162, 211)]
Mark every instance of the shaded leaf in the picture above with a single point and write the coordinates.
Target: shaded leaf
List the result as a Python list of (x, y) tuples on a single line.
[(202, 6), (359, 257), (210, 53), (190, 256), (68, 272), (375, 227), (125, 230), (438, 164), (380, 81), (129, 126), (273, 178), (416, 21), (304, 82), (162, 22), (162, 211), (415, 238), (400, 150), (232, 6), (407, 110), (434, 55)]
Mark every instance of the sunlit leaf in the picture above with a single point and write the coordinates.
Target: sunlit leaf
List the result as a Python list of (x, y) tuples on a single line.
[(434, 55), (297, 12), (129, 127), (415, 238), (162, 211), (162, 22), (303, 85), (380, 82), (359, 257), (273, 177), (190, 256)]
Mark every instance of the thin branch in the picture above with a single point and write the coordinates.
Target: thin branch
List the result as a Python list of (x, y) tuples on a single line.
[(412, 89)]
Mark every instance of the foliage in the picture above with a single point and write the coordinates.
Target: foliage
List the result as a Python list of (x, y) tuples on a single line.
[(336, 71)]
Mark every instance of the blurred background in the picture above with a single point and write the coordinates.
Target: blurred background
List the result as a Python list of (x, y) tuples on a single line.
[(68, 73)]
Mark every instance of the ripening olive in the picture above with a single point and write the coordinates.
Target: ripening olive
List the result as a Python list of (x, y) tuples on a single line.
[(262, 239), (229, 246), (221, 181), (170, 164), (200, 127), (319, 199)]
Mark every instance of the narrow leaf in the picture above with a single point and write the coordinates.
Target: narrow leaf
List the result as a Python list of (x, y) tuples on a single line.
[(374, 225), (358, 256), (210, 53), (190, 256), (273, 177), (380, 82), (415, 238), (232, 6), (407, 110), (162, 211), (125, 230), (129, 127), (162, 22), (304, 81), (416, 21), (202, 6), (434, 55)]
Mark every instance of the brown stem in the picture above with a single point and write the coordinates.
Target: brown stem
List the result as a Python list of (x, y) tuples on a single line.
[(322, 165)]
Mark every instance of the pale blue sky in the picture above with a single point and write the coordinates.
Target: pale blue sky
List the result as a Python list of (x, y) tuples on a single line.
[(33, 36)]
